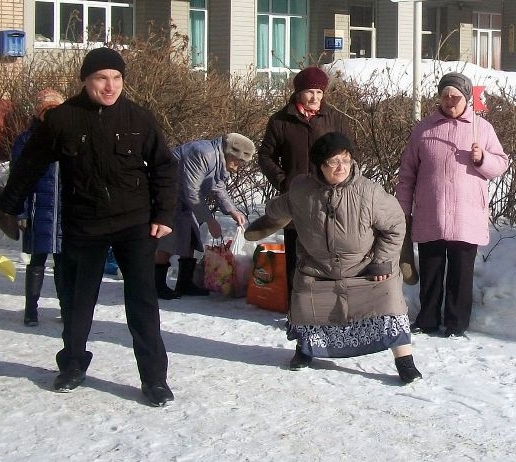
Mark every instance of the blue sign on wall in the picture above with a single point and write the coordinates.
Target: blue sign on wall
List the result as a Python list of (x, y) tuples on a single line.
[(333, 43), (333, 39)]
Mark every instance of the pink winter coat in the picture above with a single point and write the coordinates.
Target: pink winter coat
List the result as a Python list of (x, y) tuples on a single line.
[(439, 185)]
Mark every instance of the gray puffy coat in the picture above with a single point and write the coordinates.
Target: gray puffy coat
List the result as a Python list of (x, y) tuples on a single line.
[(346, 234)]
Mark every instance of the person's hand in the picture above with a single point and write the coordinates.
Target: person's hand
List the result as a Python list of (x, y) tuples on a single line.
[(22, 224), (476, 154), (158, 230), (383, 277), (214, 228), (238, 217)]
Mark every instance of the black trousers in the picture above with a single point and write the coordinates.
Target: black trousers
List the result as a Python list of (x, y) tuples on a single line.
[(39, 259), (83, 266), (458, 295)]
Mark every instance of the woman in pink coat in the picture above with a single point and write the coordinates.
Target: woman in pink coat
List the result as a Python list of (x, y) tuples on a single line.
[(442, 189)]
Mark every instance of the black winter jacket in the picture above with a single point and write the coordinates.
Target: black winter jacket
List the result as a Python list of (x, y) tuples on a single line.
[(115, 167)]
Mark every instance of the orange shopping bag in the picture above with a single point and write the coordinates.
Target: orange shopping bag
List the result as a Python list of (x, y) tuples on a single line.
[(267, 287)]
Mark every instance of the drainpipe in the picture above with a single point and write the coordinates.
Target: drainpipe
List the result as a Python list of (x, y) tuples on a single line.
[(416, 59)]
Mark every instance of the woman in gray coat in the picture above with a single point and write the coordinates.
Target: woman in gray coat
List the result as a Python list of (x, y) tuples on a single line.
[(347, 297)]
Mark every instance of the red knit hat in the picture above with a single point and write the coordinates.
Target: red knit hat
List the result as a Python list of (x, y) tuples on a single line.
[(311, 77)]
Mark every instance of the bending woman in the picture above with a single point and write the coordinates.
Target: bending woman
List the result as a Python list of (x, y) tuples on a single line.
[(347, 297)]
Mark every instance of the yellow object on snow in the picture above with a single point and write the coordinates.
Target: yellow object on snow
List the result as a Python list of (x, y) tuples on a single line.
[(7, 268)]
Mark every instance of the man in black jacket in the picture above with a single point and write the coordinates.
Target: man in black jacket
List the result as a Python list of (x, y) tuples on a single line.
[(118, 189)]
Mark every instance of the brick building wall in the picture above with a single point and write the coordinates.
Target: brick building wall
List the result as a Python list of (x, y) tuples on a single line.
[(11, 14)]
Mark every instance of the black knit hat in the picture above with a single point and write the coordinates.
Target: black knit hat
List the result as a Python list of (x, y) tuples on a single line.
[(330, 145), (102, 58), (458, 81)]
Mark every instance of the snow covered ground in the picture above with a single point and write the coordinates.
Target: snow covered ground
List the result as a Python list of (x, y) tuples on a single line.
[(237, 401)]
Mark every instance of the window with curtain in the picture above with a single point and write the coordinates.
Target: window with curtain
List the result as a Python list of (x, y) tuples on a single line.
[(59, 23), (487, 46), (282, 37), (198, 33)]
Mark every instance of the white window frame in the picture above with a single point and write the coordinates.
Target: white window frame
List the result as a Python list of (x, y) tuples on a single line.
[(478, 32), (58, 43), (370, 29)]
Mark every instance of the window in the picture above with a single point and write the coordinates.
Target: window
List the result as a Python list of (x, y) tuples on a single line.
[(198, 33), (64, 23), (428, 33), (487, 41), (282, 39), (361, 31)]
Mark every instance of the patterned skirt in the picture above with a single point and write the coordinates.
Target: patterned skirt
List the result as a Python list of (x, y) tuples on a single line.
[(356, 338)]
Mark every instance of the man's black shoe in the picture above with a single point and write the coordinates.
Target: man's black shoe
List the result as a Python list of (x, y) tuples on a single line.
[(299, 360), (454, 333), (158, 394), (415, 329), (70, 378)]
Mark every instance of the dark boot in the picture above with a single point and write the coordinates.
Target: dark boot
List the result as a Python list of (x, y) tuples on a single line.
[(185, 284), (160, 275), (407, 369), (33, 282), (299, 360)]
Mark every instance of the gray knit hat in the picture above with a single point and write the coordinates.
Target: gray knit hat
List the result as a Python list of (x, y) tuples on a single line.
[(239, 146), (457, 80)]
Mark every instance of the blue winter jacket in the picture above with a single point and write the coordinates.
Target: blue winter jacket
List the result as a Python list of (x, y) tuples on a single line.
[(42, 207)]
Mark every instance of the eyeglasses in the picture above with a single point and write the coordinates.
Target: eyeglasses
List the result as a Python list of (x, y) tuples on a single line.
[(334, 163)]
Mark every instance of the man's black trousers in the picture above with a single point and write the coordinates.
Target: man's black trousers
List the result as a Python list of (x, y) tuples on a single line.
[(83, 267)]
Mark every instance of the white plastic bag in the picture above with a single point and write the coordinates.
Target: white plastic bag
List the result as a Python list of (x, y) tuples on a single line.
[(242, 251)]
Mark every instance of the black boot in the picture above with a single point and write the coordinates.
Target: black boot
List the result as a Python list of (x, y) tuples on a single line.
[(33, 282), (185, 284), (407, 369), (160, 278), (299, 360)]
